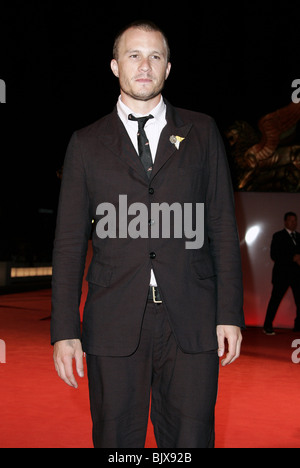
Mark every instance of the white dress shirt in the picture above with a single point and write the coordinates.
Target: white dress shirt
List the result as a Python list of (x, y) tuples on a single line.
[(153, 129)]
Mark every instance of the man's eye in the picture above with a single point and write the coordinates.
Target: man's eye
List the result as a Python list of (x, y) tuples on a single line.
[(156, 57), (134, 56)]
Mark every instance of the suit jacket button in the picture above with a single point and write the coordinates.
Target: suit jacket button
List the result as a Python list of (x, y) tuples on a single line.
[(153, 255), (151, 190)]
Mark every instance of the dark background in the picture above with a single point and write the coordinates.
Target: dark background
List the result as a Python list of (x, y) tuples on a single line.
[(229, 60)]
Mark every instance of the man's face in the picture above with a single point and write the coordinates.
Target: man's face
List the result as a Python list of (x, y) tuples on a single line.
[(142, 66), (291, 223)]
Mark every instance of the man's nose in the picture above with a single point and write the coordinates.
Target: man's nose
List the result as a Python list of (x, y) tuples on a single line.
[(145, 64)]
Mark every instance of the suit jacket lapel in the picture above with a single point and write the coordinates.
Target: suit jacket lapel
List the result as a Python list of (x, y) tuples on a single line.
[(118, 141), (175, 127)]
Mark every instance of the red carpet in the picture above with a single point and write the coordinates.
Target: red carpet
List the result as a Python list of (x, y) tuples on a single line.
[(258, 403)]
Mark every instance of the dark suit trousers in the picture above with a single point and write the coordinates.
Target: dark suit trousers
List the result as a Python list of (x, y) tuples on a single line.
[(183, 388), (280, 288)]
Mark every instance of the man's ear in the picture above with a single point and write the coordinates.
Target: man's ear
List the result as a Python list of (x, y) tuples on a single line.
[(168, 70), (115, 67)]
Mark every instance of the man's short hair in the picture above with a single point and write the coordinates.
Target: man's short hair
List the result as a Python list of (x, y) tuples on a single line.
[(290, 213), (144, 25)]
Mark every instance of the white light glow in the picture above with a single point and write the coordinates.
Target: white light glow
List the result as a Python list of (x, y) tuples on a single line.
[(252, 234)]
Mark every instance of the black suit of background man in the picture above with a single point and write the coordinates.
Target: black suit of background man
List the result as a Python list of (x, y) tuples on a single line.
[(285, 252)]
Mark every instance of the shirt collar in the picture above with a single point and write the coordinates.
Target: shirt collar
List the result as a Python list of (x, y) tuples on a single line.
[(159, 112)]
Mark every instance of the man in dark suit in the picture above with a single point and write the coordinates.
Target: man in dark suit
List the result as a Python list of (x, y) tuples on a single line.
[(285, 252), (160, 309)]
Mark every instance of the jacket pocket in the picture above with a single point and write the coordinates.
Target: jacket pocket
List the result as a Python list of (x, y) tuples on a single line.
[(100, 274)]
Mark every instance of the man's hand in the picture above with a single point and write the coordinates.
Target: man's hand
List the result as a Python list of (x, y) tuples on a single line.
[(234, 338), (64, 353), (297, 259)]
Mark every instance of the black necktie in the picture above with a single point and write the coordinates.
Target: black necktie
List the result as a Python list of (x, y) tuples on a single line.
[(143, 143), (293, 236)]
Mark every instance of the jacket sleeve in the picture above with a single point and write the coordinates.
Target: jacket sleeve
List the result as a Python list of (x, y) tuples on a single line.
[(223, 235), (282, 251), (70, 246)]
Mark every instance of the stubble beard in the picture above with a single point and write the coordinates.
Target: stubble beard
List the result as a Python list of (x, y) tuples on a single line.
[(142, 95)]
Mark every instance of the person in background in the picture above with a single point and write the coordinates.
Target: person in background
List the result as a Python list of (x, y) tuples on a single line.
[(285, 252)]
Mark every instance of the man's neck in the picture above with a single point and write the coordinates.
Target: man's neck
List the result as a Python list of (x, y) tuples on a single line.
[(140, 107)]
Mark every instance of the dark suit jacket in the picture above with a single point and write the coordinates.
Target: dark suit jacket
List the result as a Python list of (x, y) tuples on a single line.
[(283, 251), (200, 288)]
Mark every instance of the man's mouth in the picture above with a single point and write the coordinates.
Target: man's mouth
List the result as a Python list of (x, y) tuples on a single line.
[(144, 80)]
